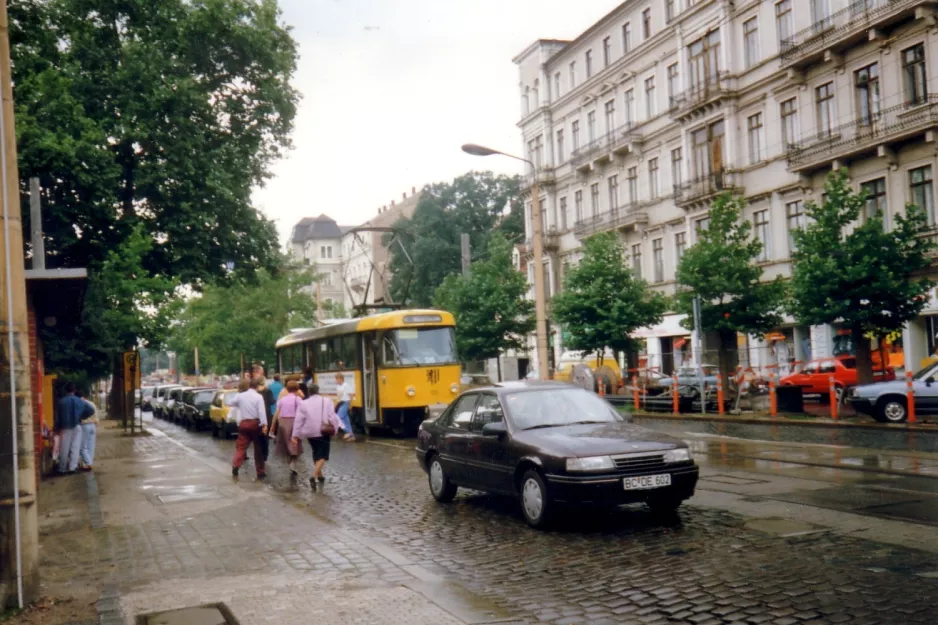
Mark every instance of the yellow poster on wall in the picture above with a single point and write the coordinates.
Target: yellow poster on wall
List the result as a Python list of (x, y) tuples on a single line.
[(131, 371)]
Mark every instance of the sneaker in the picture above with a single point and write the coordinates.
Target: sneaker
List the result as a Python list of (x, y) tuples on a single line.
[(261, 476), (312, 483), (234, 471)]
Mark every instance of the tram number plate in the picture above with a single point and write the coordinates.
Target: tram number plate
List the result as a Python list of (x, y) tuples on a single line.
[(645, 482)]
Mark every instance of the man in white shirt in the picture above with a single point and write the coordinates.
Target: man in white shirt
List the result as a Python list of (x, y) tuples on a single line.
[(345, 392), (252, 427)]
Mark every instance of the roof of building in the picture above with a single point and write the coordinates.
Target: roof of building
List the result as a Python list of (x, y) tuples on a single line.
[(322, 227)]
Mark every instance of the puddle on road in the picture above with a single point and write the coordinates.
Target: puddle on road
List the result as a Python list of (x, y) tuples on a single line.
[(201, 615)]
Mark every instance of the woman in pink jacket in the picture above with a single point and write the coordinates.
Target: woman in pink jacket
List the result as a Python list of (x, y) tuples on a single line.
[(313, 413)]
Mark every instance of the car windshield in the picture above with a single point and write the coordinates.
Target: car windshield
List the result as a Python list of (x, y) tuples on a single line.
[(203, 398), (420, 346), (555, 407), (849, 363), (930, 370)]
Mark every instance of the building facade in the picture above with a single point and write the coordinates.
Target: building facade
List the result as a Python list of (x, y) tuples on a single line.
[(366, 274), (637, 124), (317, 242)]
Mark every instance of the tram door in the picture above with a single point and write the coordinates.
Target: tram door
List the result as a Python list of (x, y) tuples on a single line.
[(369, 378)]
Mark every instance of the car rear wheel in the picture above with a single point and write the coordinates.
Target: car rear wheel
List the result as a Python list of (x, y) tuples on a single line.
[(440, 487), (535, 500), (893, 409)]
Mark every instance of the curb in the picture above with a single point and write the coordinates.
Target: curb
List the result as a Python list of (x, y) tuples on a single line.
[(814, 423)]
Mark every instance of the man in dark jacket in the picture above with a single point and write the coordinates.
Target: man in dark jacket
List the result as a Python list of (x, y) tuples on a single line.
[(270, 401), (72, 410)]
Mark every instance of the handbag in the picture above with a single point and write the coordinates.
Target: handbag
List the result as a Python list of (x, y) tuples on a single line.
[(326, 427)]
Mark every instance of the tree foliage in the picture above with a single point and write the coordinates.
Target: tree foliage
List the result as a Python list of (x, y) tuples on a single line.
[(859, 274), (243, 318), (602, 302), (474, 204), (722, 270), (152, 119), (492, 313)]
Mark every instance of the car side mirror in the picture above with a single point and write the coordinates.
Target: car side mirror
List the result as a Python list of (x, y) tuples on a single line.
[(496, 429), (929, 380)]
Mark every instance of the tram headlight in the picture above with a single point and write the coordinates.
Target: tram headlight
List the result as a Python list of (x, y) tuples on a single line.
[(411, 391), (454, 388)]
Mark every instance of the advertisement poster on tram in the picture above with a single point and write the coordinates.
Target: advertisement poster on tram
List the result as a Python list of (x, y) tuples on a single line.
[(327, 382)]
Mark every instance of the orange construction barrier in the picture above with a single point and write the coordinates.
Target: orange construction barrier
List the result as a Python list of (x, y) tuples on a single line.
[(834, 403), (675, 403), (720, 407), (910, 396), (773, 401), (635, 391)]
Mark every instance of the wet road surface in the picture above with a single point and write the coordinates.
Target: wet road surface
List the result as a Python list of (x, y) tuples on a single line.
[(706, 565)]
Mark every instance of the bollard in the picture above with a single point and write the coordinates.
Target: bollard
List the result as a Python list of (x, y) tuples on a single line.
[(834, 403), (720, 407), (773, 403), (601, 385), (675, 402), (635, 392), (910, 396)]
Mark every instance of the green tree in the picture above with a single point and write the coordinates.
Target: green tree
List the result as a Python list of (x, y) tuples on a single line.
[(721, 270), (492, 313), (859, 275), (475, 204), (154, 119), (225, 322), (602, 302)]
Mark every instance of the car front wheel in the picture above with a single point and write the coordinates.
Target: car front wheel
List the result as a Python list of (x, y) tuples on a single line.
[(440, 487), (893, 409), (535, 500)]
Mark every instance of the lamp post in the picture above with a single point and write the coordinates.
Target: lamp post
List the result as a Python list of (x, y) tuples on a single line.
[(540, 302)]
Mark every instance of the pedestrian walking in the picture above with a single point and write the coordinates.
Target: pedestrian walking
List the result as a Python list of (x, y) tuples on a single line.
[(252, 426), (345, 393), (276, 389), (317, 422), (71, 412), (270, 404), (284, 419), (89, 436)]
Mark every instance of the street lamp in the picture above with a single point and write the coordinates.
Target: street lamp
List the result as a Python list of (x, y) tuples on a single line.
[(540, 302)]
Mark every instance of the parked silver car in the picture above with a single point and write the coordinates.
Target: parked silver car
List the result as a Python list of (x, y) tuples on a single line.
[(887, 401), (688, 379)]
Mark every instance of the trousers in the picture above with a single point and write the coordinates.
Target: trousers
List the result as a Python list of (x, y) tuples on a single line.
[(69, 449), (249, 432), (89, 436)]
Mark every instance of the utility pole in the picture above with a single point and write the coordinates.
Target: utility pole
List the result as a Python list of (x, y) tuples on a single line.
[(540, 299), (466, 253), (19, 536), (35, 224)]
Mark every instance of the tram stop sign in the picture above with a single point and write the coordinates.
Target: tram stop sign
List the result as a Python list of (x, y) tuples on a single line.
[(131, 371)]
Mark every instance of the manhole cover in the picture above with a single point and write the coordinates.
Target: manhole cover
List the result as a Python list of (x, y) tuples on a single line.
[(782, 527), (182, 494), (216, 614), (732, 479)]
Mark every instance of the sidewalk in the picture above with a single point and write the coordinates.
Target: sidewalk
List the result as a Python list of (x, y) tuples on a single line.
[(924, 424), (157, 527)]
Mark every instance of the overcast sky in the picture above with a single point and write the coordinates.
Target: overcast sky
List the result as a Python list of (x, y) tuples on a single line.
[(392, 88)]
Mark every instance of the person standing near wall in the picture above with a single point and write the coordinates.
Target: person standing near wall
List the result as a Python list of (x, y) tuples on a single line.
[(89, 436), (71, 412)]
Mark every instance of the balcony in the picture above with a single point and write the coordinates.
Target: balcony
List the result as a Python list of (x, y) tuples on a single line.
[(890, 126), (932, 235), (624, 217), (703, 98), (543, 176), (703, 189), (550, 241), (848, 27), (620, 141)]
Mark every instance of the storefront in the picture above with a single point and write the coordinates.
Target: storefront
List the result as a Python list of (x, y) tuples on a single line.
[(667, 345)]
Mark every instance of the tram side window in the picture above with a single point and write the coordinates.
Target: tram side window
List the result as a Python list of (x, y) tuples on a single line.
[(348, 351), (291, 359), (337, 354)]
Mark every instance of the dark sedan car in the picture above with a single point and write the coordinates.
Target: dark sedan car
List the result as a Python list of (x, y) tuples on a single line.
[(196, 403), (550, 443)]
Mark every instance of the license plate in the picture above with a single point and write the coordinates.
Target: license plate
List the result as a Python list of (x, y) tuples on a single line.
[(645, 482)]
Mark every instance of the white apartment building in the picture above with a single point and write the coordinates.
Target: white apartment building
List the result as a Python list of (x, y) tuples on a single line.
[(365, 273), (640, 121), (317, 241)]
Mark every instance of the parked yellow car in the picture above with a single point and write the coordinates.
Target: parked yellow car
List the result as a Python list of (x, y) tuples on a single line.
[(223, 423), (609, 372)]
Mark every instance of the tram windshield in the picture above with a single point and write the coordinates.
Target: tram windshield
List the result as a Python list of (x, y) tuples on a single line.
[(419, 346)]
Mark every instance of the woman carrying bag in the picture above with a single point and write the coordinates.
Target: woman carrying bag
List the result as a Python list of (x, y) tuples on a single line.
[(287, 407), (317, 422)]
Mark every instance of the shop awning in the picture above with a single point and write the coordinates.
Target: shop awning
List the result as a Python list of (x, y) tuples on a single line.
[(669, 326)]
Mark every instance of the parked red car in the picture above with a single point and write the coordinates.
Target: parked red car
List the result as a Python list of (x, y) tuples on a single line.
[(814, 377)]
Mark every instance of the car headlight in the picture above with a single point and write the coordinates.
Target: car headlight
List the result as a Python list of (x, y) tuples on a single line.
[(411, 391), (595, 463), (454, 389), (678, 455)]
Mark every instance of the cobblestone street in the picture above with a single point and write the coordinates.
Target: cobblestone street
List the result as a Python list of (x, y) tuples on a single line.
[(162, 525), (705, 565)]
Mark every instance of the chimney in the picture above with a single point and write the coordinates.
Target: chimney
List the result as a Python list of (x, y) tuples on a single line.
[(404, 195), (413, 191), (392, 202)]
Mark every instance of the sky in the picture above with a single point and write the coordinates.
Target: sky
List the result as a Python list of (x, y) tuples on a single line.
[(392, 88)]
